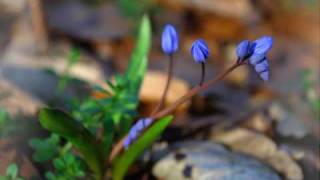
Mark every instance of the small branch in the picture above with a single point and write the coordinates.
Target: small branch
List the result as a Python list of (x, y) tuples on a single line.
[(203, 72), (119, 146), (166, 89), (193, 92)]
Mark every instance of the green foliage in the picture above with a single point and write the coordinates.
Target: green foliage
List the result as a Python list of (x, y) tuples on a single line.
[(112, 115), (67, 166), (11, 173), (63, 124), (122, 163), (138, 61), (45, 149), (119, 107)]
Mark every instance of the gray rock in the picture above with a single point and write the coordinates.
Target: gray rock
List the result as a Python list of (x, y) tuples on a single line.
[(87, 23), (287, 123), (210, 161)]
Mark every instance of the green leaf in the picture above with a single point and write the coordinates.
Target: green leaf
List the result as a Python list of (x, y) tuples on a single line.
[(12, 171), (64, 125), (45, 149), (122, 163), (107, 137), (59, 164), (138, 60)]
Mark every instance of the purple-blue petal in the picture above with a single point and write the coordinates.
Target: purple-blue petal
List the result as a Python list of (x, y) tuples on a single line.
[(170, 40), (127, 143), (263, 45), (140, 125), (256, 58), (133, 132), (262, 66), (147, 121), (200, 51), (243, 49), (136, 130), (265, 75)]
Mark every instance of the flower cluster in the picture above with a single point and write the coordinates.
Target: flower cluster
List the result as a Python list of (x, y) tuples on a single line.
[(256, 52), (253, 51), (136, 130)]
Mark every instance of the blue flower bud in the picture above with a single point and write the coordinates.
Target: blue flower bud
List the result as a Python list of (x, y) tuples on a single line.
[(262, 45), (200, 51), (244, 50), (136, 130), (169, 41)]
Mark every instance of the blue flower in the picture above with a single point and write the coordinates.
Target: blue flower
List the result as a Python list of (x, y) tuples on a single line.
[(200, 51), (258, 59), (169, 41), (262, 45), (136, 130), (244, 50), (256, 52)]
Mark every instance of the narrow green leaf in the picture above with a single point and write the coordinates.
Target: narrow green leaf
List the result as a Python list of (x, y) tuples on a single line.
[(64, 125), (121, 164), (138, 60), (107, 137)]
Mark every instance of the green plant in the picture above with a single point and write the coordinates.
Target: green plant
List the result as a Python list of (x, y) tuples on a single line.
[(11, 173), (45, 149), (96, 130), (94, 124)]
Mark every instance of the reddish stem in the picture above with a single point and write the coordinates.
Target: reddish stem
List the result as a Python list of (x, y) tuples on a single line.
[(166, 89), (119, 146)]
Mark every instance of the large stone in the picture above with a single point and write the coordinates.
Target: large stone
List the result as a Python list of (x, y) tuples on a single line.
[(210, 161), (16, 101), (263, 148)]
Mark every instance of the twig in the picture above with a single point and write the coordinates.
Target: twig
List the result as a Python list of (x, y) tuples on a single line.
[(119, 146), (166, 89)]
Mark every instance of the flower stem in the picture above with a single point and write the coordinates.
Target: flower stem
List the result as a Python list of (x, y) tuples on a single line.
[(166, 89), (119, 146), (193, 92), (203, 72)]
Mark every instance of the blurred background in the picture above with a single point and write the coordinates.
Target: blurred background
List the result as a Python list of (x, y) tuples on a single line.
[(276, 122)]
